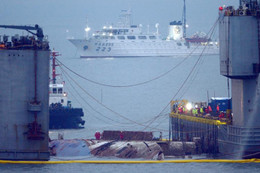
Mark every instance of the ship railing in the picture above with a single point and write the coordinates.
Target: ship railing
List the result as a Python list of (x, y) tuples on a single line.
[(23, 43), (240, 135), (204, 120), (241, 11)]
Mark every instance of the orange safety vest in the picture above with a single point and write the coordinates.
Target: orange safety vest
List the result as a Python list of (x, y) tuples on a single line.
[(210, 110), (218, 108)]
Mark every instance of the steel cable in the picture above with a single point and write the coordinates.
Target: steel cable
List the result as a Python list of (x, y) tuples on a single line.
[(190, 73), (131, 85)]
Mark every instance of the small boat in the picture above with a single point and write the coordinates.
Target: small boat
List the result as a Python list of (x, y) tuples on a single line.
[(62, 114)]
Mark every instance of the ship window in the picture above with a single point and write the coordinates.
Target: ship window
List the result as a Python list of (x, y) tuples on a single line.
[(142, 37), (122, 31), (179, 44), (152, 37), (62, 101), (96, 36), (131, 37), (121, 37), (112, 37), (104, 37), (115, 31), (60, 90), (54, 90)]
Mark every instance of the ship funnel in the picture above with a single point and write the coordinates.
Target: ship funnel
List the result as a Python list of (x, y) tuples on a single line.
[(175, 31)]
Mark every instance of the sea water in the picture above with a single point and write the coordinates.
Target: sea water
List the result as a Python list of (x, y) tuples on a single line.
[(127, 104), (139, 91), (136, 97), (138, 168)]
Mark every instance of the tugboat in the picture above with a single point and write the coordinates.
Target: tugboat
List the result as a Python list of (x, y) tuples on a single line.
[(62, 115)]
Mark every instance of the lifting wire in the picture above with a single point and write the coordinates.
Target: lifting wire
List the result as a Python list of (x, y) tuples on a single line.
[(131, 85), (195, 73), (92, 106), (96, 100), (160, 115), (194, 76), (95, 109), (210, 32), (84, 101), (140, 84)]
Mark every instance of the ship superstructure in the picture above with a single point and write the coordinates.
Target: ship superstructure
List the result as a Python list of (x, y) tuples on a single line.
[(128, 40)]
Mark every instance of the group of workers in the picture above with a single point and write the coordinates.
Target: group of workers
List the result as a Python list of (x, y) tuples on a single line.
[(205, 112)]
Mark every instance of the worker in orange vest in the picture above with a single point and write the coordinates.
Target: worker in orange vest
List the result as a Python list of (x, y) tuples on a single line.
[(180, 111), (221, 115), (210, 109), (217, 108), (121, 135), (97, 135)]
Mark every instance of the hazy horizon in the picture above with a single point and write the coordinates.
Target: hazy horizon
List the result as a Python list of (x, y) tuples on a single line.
[(62, 18)]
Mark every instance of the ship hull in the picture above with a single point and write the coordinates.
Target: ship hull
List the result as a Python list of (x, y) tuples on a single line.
[(239, 142), (17, 84), (238, 151), (162, 48), (66, 118)]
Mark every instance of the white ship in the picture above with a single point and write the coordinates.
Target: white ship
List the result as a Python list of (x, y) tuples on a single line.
[(127, 40)]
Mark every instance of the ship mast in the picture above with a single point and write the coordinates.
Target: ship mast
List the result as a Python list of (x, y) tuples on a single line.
[(184, 19), (54, 55)]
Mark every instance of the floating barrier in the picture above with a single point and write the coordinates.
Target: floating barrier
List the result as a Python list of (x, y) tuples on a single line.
[(130, 161)]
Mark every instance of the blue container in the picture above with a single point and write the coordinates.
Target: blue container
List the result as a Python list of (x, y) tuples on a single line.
[(223, 102)]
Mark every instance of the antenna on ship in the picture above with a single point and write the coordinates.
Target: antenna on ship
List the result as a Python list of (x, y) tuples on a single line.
[(125, 18), (87, 29), (157, 28), (54, 55), (184, 18)]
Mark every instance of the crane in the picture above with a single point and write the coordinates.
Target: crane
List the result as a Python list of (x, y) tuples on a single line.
[(39, 31)]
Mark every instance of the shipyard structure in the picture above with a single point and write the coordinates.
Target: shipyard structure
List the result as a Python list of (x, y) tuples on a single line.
[(233, 131), (24, 86)]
